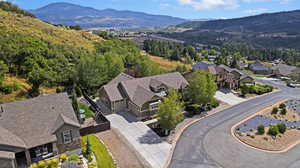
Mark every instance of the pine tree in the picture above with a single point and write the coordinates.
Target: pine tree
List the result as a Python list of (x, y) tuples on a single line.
[(88, 150)]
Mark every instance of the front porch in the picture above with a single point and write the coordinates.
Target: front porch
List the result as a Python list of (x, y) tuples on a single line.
[(27, 157)]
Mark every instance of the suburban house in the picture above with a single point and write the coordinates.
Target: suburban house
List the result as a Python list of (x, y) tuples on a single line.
[(37, 129), (140, 96), (225, 77), (259, 68)]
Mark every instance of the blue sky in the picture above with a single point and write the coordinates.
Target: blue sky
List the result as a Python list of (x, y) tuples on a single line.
[(190, 9)]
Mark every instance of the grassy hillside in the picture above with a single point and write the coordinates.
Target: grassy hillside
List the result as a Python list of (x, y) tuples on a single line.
[(58, 35), (23, 89), (47, 56), (167, 64)]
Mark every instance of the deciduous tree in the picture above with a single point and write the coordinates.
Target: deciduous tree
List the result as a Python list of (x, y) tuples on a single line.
[(202, 87), (170, 111)]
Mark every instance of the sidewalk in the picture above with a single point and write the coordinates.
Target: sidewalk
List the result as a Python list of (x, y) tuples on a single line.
[(229, 98)]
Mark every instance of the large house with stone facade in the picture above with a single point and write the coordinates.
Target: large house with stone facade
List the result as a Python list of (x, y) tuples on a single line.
[(37, 129), (140, 96), (225, 77)]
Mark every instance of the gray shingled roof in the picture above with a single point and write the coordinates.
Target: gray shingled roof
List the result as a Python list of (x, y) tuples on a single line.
[(112, 87), (62, 120), (138, 89), (32, 121), (172, 80), (142, 95), (201, 65), (259, 67), (121, 77)]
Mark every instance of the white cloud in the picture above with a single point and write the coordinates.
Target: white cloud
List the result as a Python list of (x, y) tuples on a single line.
[(164, 5), (210, 4), (255, 11), (222, 4)]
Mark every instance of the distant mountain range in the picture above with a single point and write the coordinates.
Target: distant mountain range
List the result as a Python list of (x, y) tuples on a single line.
[(271, 30), (87, 17)]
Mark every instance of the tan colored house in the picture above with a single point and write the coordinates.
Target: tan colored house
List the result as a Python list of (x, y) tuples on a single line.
[(140, 96), (225, 77), (36, 129)]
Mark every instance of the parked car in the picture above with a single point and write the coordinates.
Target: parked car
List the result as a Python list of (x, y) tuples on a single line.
[(291, 85)]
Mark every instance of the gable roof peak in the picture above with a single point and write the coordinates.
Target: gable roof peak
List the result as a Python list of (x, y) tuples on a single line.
[(62, 120)]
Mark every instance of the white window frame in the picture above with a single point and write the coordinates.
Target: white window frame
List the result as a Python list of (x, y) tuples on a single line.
[(67, 136)]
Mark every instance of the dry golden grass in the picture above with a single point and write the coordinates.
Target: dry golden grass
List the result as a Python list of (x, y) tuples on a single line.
[(167, 64), (22, 93), (37, 28)]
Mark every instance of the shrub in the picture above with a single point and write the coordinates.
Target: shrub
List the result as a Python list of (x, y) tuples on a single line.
[(193, 109), (274, 111), (59, 90), (213, 104), (42, 164), (9, 88), (281, 128), (88, 157), (74, 158), (282, 106), (34, 165), (283, 111), (244, 89), (273, 130), (78, 91), (261, 129), (53, 163), (63, 157)]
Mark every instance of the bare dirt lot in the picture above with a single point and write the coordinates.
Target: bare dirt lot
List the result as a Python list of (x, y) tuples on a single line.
[(123, 155)]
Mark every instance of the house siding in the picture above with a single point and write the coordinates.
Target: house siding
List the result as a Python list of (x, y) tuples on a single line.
[(7, 163), (75, 144), (119, 106), (105, 99)]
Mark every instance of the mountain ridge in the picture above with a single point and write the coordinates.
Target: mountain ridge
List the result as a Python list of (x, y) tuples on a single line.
[(88, 17), (269, 30)]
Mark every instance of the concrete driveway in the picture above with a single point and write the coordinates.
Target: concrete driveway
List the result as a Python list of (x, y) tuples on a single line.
[(146, 143), (228, 97)]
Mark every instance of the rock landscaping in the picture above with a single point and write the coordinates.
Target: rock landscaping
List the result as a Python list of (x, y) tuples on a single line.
[(275, 128)]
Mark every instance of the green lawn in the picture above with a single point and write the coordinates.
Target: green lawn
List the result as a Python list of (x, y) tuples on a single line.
[(104, 160), (88, 112)]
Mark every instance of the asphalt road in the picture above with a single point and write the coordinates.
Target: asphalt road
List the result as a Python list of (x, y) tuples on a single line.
[(208, 143)]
